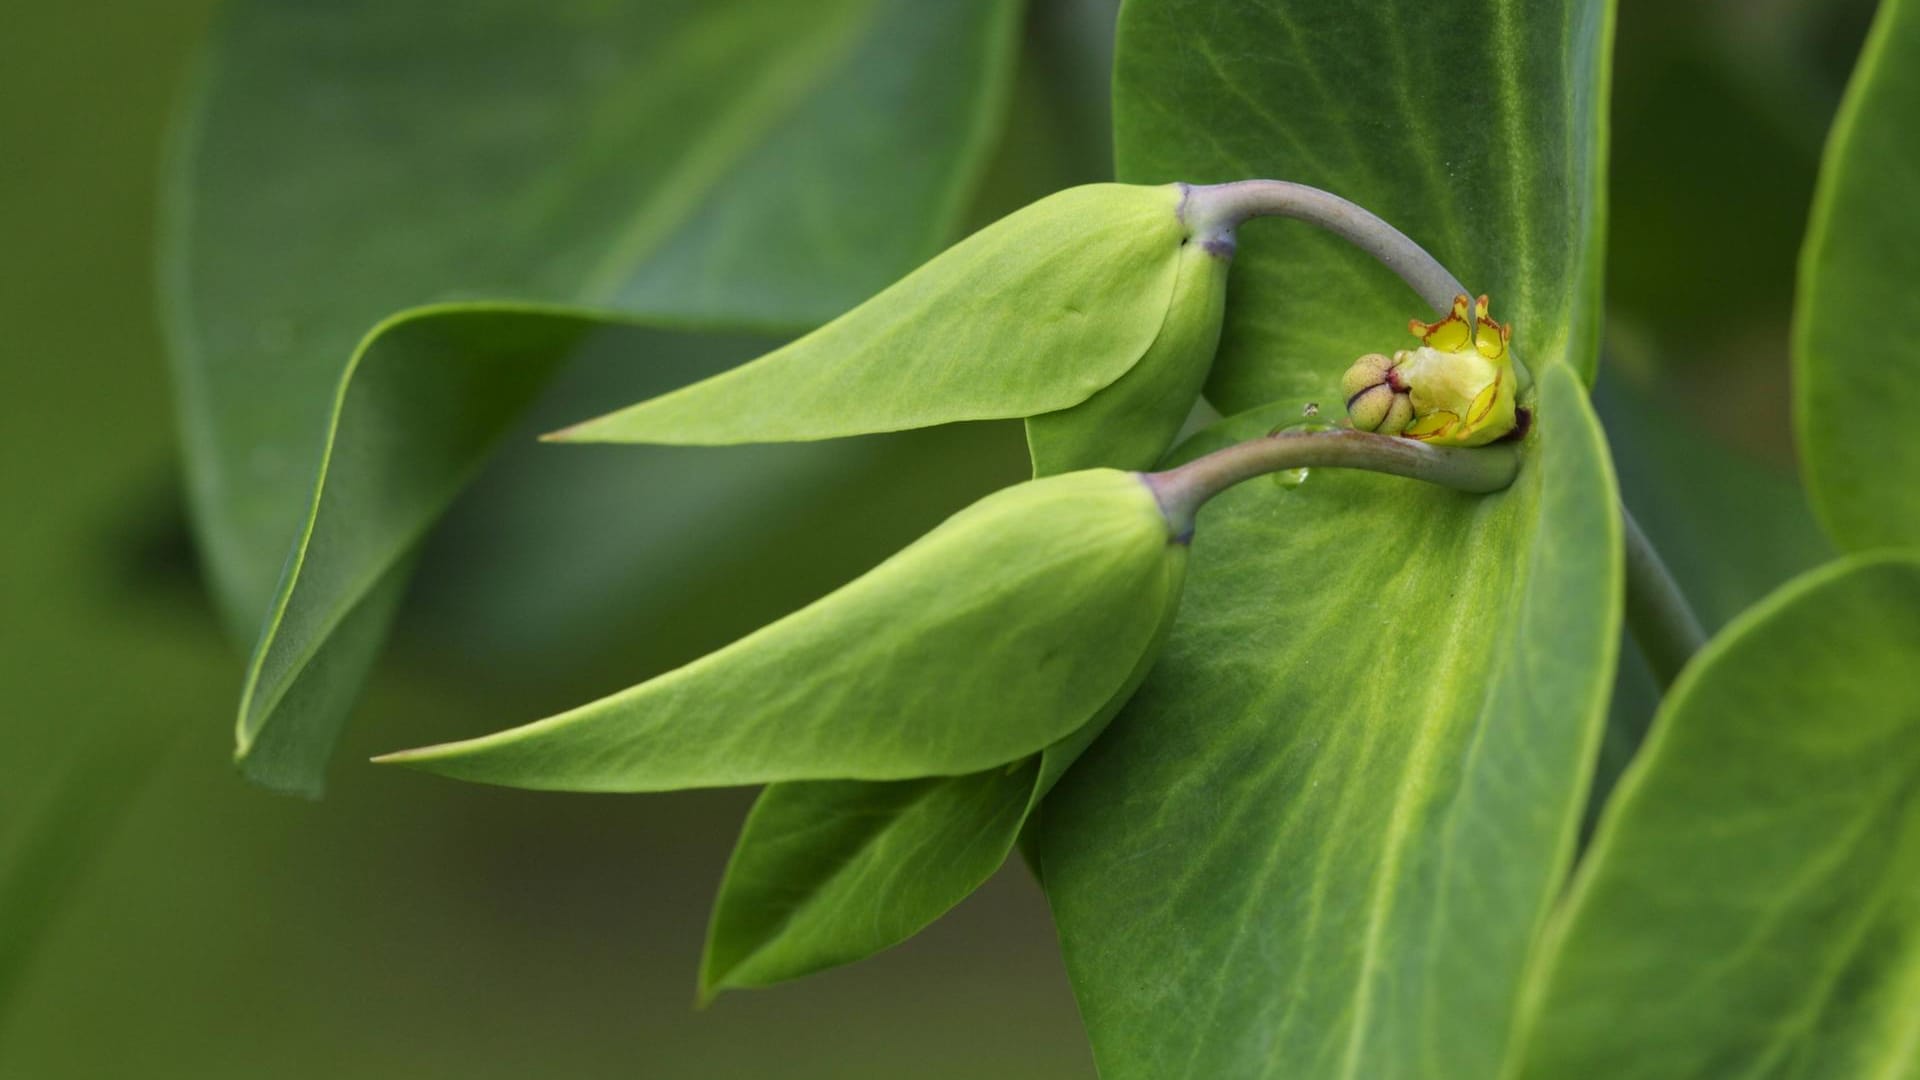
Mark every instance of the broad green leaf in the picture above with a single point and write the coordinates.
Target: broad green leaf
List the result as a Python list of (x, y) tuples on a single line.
[(828, 872), (1000, 632), (737, 163), (1474, 126), (1856, 356), (1034, 313), (1319, 840), (1751, 902)]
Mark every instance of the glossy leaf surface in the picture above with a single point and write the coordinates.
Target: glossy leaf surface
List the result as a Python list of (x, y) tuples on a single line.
[(1751, 902), (1034, 313), (1319, 839), (1474, 126), (1856, 354), (704, 162), (1002, 631)]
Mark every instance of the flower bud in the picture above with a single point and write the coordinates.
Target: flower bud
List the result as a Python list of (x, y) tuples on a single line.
[(1456, 389), (1376, 399)]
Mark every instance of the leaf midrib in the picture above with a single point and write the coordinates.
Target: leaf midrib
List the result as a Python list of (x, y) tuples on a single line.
[(1419, 773)]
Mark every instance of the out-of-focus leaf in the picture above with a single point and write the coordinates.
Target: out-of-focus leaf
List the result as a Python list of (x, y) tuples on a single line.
[(1472, 125), (422, 402), (1035, 313), (1320, 838), (1729, 527), (1004, 630), (735, 163), (1856, 357), (1751, 902), (574, 570), (52, 837)]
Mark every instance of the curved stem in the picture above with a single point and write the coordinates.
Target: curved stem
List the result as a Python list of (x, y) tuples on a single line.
[(1182, 490), (1662, 623), (1215, 211)]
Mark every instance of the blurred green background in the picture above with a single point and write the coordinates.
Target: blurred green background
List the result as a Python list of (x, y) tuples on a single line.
[(160, 917)]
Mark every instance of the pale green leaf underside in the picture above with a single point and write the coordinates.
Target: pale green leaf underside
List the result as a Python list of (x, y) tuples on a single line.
[(1475, 126), (1320, 839), (1000, 632), (733, 163), (1856, 347), (1751, 903), (829, 872), (1031, 314)]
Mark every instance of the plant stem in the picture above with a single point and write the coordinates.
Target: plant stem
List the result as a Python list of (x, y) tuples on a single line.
[(1663, 624), (1215, 211), (1182, 490)]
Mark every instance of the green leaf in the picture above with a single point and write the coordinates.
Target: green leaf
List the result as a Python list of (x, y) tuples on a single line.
[(1472, 125), (1133, 422), (829, 872), (1751, 902), (1320, 838), (1002, 631), (1034, 313), (832, 871), (1731, 529), (422, 402), (1856, 358), (737, 163)]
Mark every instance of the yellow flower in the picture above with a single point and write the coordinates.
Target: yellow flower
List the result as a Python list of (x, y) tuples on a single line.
[(1456, 389)]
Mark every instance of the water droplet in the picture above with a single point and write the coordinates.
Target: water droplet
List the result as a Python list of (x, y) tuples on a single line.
[(1302, 428), (1310, 409), (1293, 478)]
